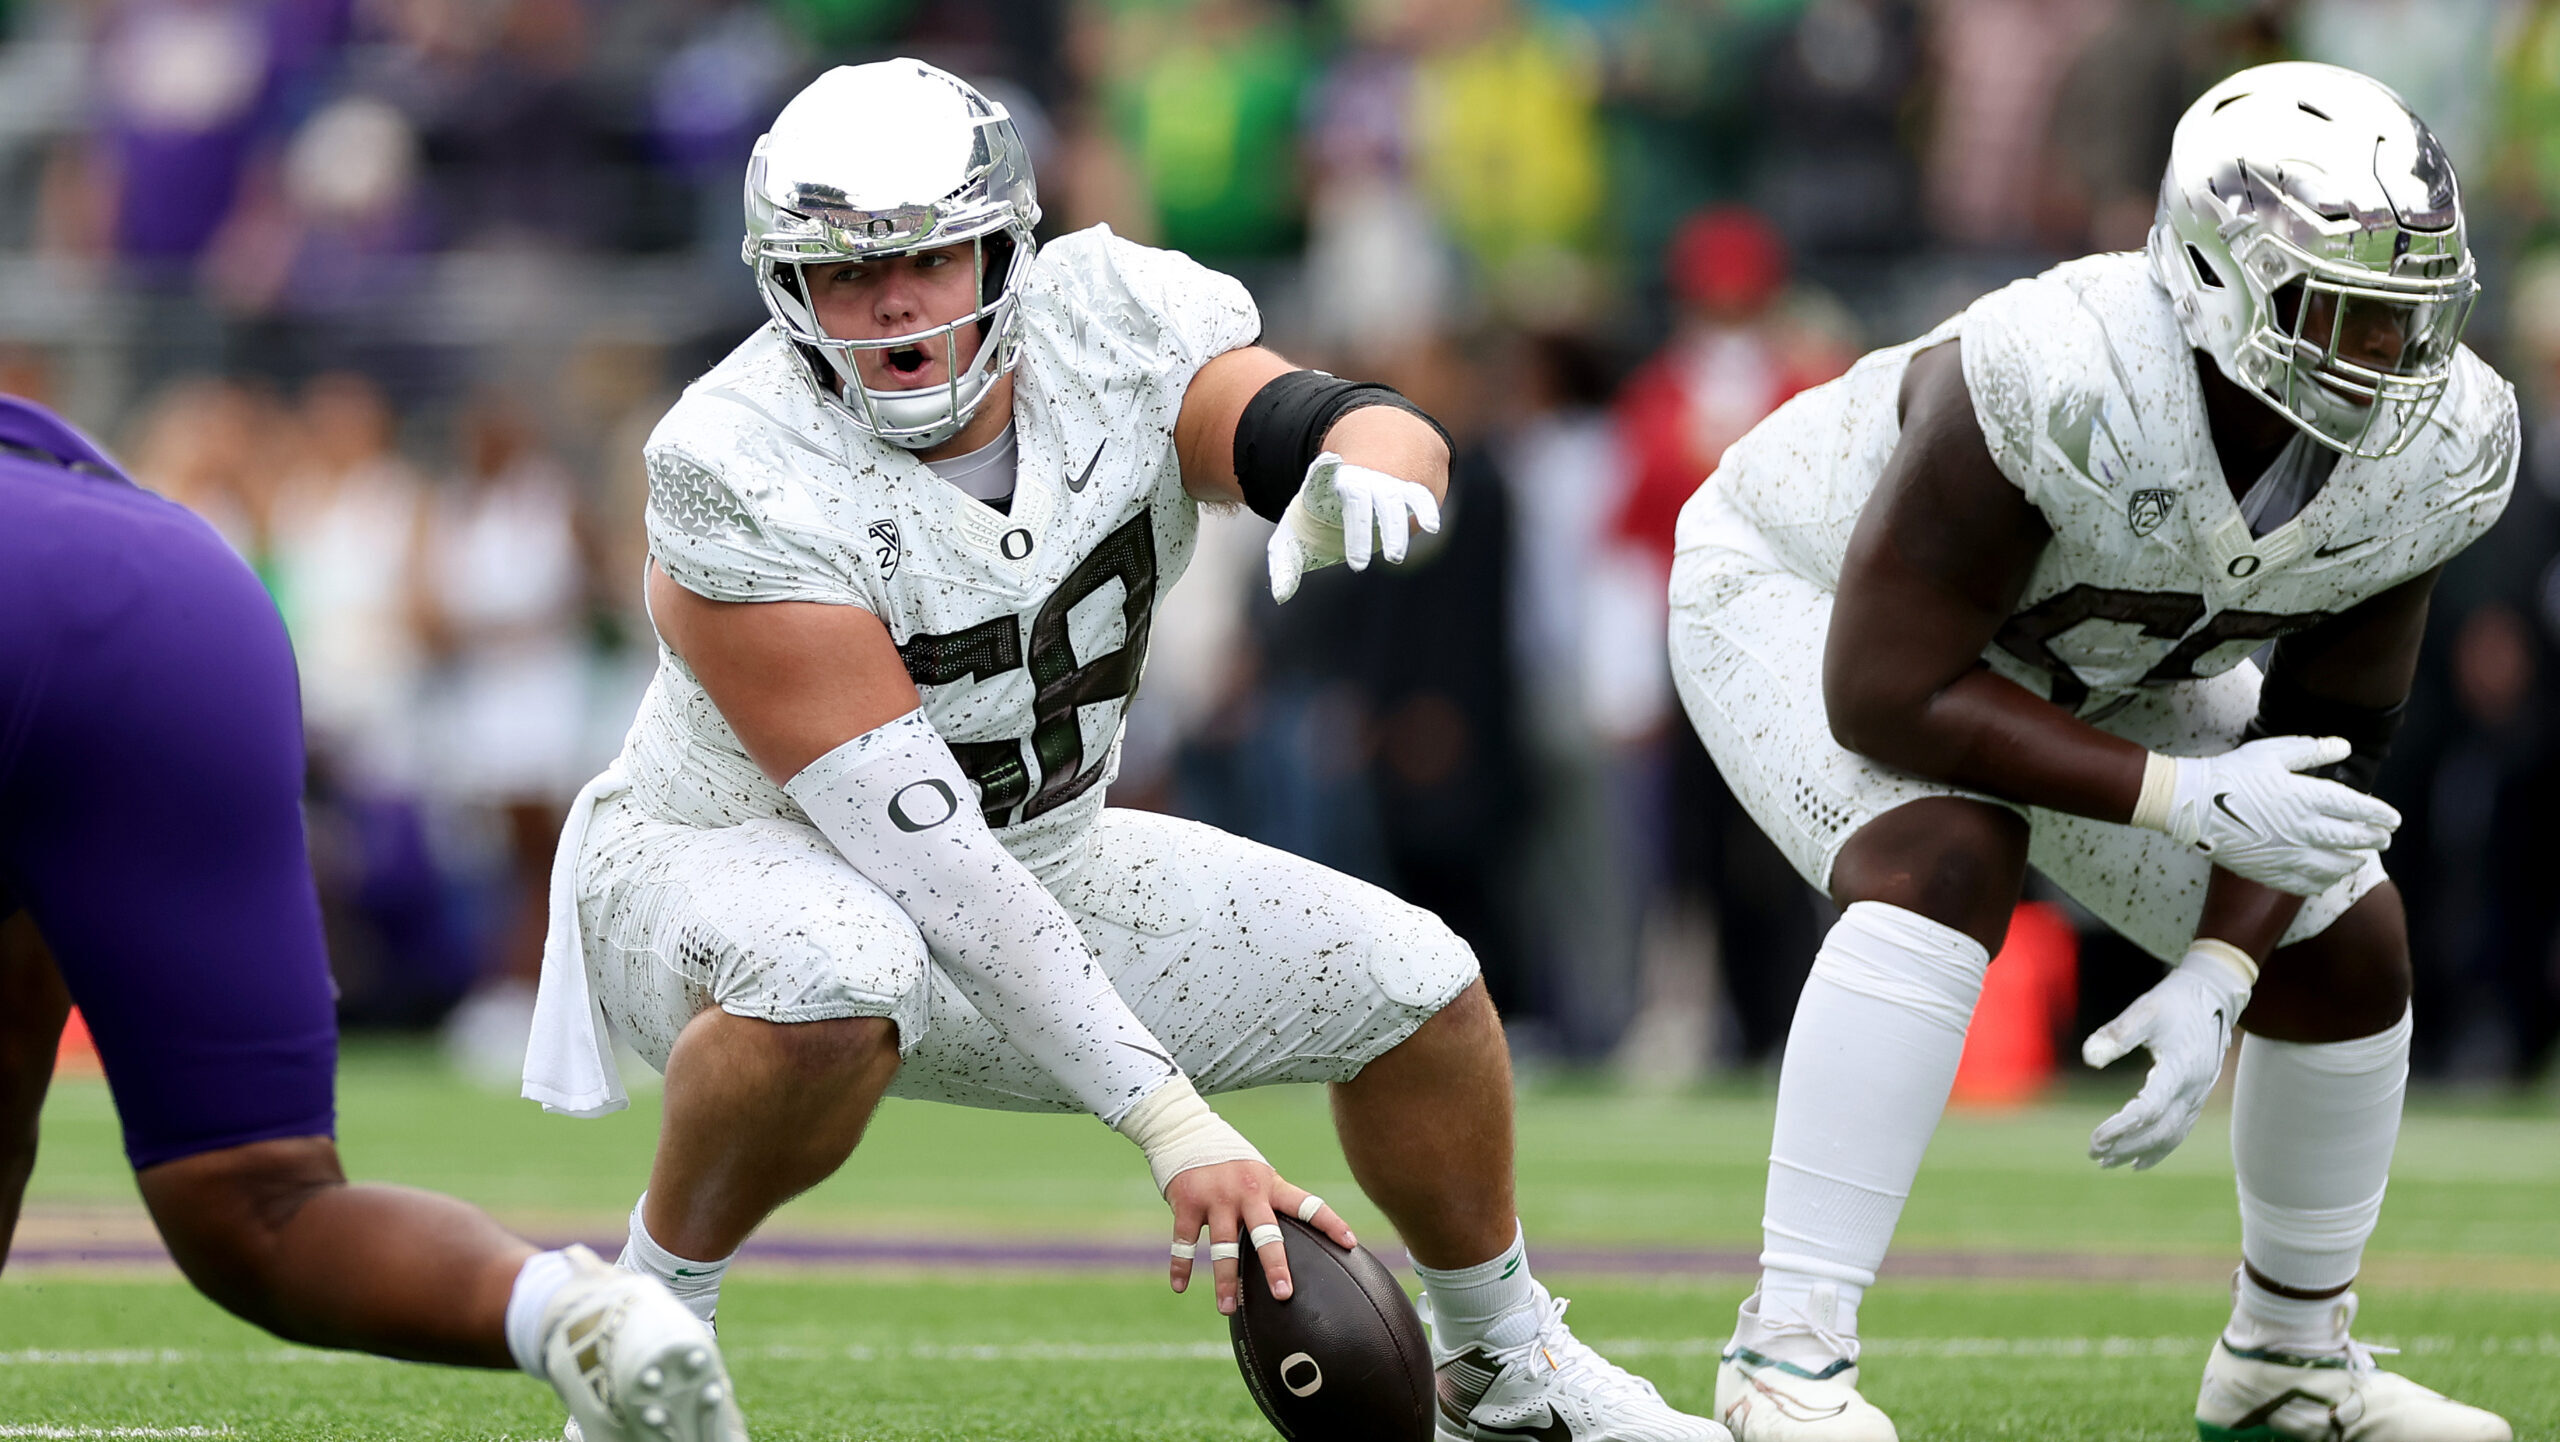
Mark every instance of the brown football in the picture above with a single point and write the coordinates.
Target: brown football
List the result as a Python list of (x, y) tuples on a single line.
[(1344, 1359)]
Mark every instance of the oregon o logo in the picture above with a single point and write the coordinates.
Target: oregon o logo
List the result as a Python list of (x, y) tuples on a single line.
[(1016, 544), (905, 819), (1312, 1375), (2242, 567)]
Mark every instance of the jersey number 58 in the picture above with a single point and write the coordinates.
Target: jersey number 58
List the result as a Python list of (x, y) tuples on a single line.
[(995, 646)]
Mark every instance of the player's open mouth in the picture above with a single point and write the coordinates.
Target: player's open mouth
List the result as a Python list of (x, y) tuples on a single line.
[(908, 360)]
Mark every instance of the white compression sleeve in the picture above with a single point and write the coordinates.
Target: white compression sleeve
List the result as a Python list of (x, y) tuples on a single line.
[(1868, 1064), (897, 805), (2312, 1131)]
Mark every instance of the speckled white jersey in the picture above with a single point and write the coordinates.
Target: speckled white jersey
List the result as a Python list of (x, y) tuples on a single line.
[(2089, 400), (2141, 612), (1024, 629)]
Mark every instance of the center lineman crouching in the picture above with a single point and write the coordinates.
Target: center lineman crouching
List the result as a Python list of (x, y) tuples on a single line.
[(906, 544)]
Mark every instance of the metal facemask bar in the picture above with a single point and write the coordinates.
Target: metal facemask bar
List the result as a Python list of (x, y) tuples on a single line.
[(912, 419), (2352, 407)]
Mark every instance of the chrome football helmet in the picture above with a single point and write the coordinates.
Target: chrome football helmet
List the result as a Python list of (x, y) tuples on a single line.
[(876, 161), (2310, 237)]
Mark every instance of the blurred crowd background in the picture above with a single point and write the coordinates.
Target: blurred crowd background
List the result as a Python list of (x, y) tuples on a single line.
[(392, 290)]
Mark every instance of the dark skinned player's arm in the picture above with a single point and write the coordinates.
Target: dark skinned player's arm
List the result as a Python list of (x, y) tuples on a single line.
[(1940, 555), (2365, 657), (32, 1007)]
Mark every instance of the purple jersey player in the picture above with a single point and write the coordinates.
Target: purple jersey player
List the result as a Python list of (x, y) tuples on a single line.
[(152, 871)]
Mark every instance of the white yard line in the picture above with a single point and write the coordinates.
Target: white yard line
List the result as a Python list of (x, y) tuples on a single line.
[(8, 1429), (1931, 1348)]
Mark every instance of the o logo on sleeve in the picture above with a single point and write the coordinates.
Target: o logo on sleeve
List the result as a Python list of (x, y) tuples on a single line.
[(1016, 544), (2242, 567), (1309, 1375), (906, 819)]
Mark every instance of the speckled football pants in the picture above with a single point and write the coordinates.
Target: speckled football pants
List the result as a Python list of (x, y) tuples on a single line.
[(1252, 965)]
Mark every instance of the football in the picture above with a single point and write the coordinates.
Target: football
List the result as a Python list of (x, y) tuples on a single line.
[(1344, 1359)]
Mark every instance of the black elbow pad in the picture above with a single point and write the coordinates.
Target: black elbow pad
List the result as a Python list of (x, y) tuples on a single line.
[(2285, 709), (1283, 428)]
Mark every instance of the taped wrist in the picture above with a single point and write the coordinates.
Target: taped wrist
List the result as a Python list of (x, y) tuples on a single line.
[(2205, 951), (2285, 709), (895, 803), (2152, 809), (1283, 428), (1178, 1131)]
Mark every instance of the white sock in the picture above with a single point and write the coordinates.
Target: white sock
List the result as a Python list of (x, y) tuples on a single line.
[(544, 1274), (1496, 1303), (696, 1284), (2260, 1317), (2312, 1129), (1869, 1060)]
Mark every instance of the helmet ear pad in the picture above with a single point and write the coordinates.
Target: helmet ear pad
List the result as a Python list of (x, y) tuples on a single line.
[(995, 262)]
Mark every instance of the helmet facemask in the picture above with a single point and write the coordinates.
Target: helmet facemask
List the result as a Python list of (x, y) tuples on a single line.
[(2357, 359), (916, 418)]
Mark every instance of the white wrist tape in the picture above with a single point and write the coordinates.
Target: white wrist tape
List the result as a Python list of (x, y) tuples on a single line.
[(1177, 1131), (2206, 951), (2159, 789), (897, 806)]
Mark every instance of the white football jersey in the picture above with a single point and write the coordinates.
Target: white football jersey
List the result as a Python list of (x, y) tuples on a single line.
[(2088, 397), (1024, 630)]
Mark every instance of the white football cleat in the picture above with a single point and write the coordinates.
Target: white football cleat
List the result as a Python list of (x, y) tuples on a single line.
[(1766, 1400), (1551, 1388), (631, 1363), (2288, 1392)]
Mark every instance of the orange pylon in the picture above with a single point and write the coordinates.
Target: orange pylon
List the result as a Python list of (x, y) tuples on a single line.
[(2032, 988)]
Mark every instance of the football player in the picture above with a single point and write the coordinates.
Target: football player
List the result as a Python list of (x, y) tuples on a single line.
[(153, 871), (906, 543), (1988, 601)]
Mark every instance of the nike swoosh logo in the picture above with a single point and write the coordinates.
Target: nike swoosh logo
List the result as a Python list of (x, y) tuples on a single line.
[(2325, 552), (1169, 1064), (1077, 485), (2222, 803), (1552, 1430)]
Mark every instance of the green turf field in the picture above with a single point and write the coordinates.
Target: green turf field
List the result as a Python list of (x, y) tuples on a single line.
[(2465, 1274)]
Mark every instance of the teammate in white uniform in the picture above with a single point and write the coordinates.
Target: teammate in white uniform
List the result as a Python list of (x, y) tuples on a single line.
[(907, 541), (1954, 613)]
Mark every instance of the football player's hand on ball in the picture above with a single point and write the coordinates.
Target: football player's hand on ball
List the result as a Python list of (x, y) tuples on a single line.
[(2252, 811), (1343, 513), (1230, 1200), (2186, 1024)]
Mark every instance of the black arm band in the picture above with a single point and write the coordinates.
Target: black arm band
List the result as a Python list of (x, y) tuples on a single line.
[(2285, 709), (1283, 428)]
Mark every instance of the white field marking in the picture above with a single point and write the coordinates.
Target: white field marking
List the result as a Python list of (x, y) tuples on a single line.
[(1931, 1348), (8, 1429), (1952, 1348)]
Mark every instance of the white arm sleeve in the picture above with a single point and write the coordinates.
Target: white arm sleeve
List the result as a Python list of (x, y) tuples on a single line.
[(899, 808)]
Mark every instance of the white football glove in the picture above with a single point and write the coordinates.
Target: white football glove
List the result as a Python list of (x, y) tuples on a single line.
[(1333, 514), (2255, 816), (2186, 1024)]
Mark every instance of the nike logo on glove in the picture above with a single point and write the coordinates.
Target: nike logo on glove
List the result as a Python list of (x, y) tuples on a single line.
[(2325, 552), (2222, 803), (1077, 485)]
